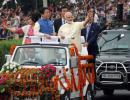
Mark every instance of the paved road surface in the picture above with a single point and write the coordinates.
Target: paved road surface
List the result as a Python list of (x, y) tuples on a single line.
[(118, 95)]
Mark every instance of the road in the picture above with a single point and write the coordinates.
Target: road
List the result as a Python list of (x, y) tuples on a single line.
[(118, 95)]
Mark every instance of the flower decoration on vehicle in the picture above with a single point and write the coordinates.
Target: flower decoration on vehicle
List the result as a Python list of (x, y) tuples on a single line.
[(12, 49), (3, 84), (10, 67), (47, 72)]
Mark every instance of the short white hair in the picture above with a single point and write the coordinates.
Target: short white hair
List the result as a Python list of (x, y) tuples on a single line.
[(68, 13)]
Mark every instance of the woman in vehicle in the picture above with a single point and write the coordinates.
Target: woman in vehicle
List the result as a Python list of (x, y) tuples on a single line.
[(27, 30)]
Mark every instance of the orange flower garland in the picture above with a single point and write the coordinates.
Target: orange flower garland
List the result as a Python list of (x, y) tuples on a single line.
[(81, 71), (12, 49), (29, 84)]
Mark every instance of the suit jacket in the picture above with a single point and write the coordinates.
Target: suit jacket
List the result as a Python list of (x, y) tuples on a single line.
[(92, 38), (57, 24)]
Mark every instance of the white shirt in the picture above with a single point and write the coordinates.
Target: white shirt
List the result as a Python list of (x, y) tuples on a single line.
[(72, 32)]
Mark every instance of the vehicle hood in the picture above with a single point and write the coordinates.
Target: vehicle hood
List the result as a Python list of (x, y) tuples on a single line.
[(113, 57)]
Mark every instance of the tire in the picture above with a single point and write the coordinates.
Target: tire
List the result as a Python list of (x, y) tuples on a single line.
[(89, 93), (65, 96), (108, 91)]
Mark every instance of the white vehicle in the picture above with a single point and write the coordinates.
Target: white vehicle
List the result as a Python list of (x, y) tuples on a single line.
[(62, 56)]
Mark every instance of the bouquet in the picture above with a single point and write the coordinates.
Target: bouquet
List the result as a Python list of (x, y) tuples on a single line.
[(5, 81), (10, 67), (47, 72)]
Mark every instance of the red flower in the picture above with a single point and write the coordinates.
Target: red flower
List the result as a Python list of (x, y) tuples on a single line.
[(48, 71)]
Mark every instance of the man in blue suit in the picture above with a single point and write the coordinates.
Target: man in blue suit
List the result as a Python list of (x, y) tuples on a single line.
[(91, 32)]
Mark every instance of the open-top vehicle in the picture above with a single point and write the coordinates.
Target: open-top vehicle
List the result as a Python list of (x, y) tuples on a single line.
[(70, 79)]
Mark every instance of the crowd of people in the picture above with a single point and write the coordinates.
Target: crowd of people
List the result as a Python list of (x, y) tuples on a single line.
[(49, 21), (105, 13)]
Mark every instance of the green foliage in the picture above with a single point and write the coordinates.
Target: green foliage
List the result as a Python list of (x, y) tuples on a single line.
[(2, 88), (5, 47)]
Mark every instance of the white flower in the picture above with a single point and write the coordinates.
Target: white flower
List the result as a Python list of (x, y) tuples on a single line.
[(15, 69), (6, 64), (2, 70), (11, 67), (19, 76), (19, 67), (7, 67), (7, 71)]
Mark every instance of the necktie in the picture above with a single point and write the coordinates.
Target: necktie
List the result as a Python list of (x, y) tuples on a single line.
[(87, 31)]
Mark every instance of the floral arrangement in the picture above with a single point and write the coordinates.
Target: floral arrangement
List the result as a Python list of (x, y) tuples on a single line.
[(10, 67), (30, 82), (5, 81), (47, 72), (3, 84)]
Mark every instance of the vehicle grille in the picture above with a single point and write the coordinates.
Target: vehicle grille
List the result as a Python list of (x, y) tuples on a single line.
[(127, 65), (128, 77), (111, 67)]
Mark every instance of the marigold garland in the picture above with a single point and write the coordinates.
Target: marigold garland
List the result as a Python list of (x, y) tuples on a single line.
[(81, 71), (29, 84), (12, 49)]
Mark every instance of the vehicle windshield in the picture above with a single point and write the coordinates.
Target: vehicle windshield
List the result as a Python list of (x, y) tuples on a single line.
[(108, 41), (40, 56)]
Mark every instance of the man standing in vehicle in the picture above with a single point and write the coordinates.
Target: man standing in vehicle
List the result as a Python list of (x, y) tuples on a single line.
[(72, 30), (60, 21), (44, 25), (91, 32)]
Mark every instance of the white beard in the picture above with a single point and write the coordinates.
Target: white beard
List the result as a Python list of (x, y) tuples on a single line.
[(69, 22)]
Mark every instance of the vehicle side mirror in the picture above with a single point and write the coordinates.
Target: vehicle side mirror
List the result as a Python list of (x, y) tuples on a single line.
[(73, 62), (8, 57)]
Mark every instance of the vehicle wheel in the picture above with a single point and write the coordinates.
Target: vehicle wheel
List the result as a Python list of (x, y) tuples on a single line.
[(108, 91), (65, 96), (89, 93)]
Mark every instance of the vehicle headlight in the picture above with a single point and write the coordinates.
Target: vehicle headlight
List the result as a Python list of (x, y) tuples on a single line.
[(98, 63), (127, 65)]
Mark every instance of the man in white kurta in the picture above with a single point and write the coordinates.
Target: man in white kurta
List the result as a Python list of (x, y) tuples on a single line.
[(72, 30)]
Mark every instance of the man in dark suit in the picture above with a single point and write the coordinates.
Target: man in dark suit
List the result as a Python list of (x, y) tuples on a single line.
[(60, 21), (90, 32)]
